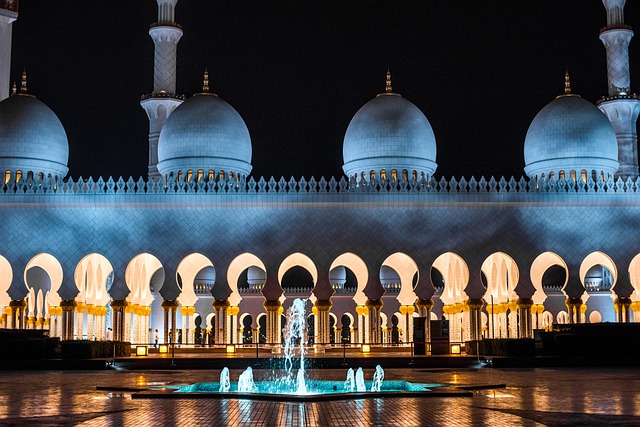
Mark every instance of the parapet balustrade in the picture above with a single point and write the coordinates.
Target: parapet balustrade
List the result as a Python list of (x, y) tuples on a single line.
[(166, 24), (202, 288), (322, 186), (11, 5), (163, 95)]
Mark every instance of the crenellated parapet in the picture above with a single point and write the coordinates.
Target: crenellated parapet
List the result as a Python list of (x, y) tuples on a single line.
[(312, 186)]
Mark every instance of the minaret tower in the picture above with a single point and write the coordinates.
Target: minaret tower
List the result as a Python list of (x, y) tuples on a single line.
[(8, 14), (163, 100), (621, 106)]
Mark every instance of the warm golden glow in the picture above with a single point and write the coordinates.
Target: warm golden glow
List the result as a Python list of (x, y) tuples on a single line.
[(456, 349), (231, 348), (366, 348), (142, 350), (163, 349)]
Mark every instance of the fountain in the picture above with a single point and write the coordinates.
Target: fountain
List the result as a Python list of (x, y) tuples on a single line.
[(350, 382), (245, 382), (225, 384), (378, 377), (360, 380), (295, 333), (294, 386)]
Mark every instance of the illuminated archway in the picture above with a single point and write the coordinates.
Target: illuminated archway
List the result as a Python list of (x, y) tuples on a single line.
[(540, 265), (236, 267), (6, 277), (186, 273), (592, 260), (92, 275), (52, 266), (357, 266), (406, 269), (455, 272)]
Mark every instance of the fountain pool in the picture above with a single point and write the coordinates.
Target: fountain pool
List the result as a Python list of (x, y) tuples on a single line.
[(293, 385)]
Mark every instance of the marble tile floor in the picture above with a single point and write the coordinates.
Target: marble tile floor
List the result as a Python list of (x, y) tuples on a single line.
[(533, 397)]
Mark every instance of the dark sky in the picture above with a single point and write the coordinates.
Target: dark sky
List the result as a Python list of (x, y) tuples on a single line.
[(297, 72)]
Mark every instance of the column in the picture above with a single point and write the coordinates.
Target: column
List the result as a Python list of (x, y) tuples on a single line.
[(272, 308), (475, 318), (525, 329), (338, 336), (68, 319), (424, 310), (323, 307), (621, 306), (374, 308), (635, 308), (360, 328), (221, 321), (117, 308), (407, 311), (169, 307), (573, 307)]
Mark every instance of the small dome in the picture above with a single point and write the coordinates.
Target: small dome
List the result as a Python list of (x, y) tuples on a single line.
[(570, 137), (389, 133), (32, 139), (204, 133)]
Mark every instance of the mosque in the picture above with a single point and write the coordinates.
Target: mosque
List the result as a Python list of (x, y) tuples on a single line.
[(205, 252)]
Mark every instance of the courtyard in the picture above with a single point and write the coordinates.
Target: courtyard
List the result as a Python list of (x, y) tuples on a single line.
[(532, 397)]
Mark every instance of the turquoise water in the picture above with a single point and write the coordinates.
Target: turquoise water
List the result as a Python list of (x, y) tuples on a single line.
[(313, 387)]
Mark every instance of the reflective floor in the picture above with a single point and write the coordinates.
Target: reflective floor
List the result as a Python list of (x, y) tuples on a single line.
[(553, 397)]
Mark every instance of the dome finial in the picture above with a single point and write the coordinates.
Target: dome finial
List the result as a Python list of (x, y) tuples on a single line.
[(23, 84), (388, 88), (205, 82), (567, 82)]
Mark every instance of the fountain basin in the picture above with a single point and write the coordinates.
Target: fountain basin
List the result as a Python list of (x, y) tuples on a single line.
[(317, 390)]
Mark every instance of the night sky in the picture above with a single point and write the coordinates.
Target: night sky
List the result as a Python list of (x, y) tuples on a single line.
[(297, 72)]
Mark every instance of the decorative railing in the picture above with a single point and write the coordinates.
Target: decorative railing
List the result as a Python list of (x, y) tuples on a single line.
[(616, 97), (302, 186), (11, 5), (616, 27), (163, 95), (166, 24), (202, 288)]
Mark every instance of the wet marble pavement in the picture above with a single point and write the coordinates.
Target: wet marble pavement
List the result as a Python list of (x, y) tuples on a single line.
[(533, 397)]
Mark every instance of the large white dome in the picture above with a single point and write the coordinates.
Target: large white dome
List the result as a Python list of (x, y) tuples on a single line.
[(389, 133), (204, 133), (32, 139), (570, 136)]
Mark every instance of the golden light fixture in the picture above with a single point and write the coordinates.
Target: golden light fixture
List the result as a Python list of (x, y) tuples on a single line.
[(366, 348), (142, 350), (456, 348), (163, 348), (231, 348)]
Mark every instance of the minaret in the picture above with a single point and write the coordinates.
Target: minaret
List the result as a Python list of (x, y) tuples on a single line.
[(163, 100), (8, 14), (621, 106)]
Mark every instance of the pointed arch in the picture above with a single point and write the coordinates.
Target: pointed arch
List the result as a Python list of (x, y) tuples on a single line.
[(455, 272), (598, 258), (91, 275), (406, 269), (138, 277), (358, 267), (297, 259), (52, 267), (502, 275), (187, 270), (540, 265), (6, 277), (238, 265)]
